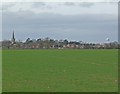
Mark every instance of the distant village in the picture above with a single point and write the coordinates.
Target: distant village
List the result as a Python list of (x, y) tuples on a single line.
[(48, 43)]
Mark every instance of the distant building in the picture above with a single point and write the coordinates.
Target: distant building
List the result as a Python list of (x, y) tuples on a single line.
[(48, 43), (13, 38)]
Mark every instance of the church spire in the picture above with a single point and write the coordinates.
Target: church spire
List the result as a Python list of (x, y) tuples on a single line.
[(13, 35), (13, 38)]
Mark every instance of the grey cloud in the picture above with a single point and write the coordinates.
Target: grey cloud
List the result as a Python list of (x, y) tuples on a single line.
[(42, 5), (50, 5), (86, 4), (70, 3), (54, 19), (38, 4), (81, 4)]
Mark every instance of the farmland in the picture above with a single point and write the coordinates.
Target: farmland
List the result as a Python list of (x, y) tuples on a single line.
[(60, 70)]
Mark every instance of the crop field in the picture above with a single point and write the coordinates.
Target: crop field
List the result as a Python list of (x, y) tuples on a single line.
[(60, 70)]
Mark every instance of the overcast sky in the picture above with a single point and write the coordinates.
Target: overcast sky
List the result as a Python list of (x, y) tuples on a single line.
[(79, 21)]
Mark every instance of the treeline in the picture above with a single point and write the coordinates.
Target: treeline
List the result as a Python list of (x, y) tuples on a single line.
[(48, 43)]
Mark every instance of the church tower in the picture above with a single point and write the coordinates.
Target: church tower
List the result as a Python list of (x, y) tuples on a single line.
[(13, 38)]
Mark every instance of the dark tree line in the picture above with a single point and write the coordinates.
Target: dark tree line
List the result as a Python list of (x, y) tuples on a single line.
[(48, 43)]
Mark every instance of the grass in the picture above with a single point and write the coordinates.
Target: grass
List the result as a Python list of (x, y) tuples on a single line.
[(60, 70), (0, 70)]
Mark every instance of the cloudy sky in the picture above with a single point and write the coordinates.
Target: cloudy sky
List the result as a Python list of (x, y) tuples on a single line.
[(79, 21)]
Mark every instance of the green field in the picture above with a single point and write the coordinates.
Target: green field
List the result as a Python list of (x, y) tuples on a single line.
[(60, 70)]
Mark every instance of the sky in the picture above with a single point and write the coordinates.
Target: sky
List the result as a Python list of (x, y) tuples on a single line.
[(74, 21)]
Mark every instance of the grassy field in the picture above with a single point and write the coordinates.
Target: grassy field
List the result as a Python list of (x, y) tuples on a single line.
[(0, 70), (60, 70)]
